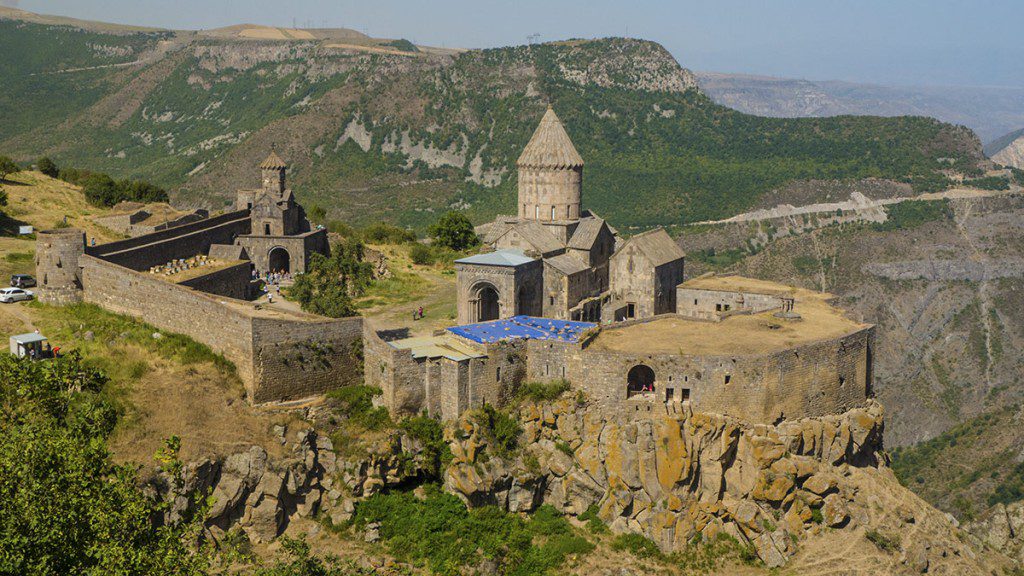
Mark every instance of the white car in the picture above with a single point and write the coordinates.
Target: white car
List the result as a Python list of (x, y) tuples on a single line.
[(14, 295)]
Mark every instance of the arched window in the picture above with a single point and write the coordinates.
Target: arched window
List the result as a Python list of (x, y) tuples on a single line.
[(640, 380)]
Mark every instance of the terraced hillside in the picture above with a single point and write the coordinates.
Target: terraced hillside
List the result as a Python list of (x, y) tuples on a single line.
[(395, 131)]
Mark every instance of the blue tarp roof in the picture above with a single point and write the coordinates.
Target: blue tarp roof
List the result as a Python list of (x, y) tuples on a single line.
[(527, 327)]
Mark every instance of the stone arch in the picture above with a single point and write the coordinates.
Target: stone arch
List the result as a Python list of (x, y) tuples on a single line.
[(640, 380), (278, 259), (486, 302)]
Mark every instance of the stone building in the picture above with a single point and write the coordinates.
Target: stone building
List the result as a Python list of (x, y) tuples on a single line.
[(553, 259), (280, 237), (785, 353), (279, 354)]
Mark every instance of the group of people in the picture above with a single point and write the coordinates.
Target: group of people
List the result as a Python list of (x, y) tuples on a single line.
[(35, 353), (272, 277), (417, 314)]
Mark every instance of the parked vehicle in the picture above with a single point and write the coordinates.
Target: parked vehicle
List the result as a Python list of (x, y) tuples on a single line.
[(23, 281), (8, 295)]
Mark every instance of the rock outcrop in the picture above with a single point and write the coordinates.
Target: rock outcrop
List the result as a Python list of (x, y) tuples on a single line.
[(672, 477)]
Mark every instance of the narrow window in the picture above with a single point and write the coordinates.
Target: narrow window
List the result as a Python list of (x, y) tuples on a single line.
[(669, 394), (552, 298), (552, 212), (685, 392), (536, 212), (547, 369), (842, 382), (498, 375), (566, 212), (266, 229), (728, 378), (563, 372), (694, 301)]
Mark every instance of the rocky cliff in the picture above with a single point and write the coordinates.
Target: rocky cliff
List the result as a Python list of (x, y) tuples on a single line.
[(1012, 154), (676, 478)]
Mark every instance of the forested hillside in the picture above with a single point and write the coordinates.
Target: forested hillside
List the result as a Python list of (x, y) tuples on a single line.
[(401, 135)]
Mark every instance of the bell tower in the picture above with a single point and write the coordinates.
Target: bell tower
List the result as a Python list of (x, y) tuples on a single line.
[(273, 171)]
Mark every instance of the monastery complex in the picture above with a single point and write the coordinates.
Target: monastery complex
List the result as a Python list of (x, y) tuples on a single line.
[(558, 294)]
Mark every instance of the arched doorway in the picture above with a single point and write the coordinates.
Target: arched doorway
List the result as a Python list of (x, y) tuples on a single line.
[(279, 260), (640, 380), (486, 300)]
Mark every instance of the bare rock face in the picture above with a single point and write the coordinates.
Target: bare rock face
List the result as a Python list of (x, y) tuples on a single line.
[(672, 477), (1012, 154)]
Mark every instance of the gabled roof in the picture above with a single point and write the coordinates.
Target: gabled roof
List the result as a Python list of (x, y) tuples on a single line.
[(550, 146), (567, 264), (533, 233), (273, 162), (586, 233), (657, 245), (508, 257)]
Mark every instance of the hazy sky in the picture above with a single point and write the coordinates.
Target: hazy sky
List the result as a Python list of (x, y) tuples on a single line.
[(945, 42)]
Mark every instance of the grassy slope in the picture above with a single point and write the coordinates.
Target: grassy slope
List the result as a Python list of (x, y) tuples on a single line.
[(218, 105)]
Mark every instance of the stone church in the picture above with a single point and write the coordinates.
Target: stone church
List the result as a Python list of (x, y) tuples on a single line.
[(557, 260), (280, 238)]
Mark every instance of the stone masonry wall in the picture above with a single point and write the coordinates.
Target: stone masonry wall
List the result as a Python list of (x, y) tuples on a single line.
[(704, 304), (404, 381), (185, 241), (298, 357), (231, 282), (173, 308), (278, 358), (820, 378)]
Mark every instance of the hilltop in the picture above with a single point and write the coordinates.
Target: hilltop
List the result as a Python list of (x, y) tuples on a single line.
[(367, 122)]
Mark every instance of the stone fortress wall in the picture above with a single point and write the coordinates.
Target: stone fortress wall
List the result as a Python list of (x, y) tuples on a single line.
[(278, 356), (815, 379), (142, 252)]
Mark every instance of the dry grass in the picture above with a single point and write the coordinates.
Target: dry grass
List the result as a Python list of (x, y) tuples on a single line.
[(736, 335), (390, 303), (43, 202)]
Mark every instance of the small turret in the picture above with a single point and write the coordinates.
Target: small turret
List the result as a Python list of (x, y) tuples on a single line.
[(58, 272), (550, 174)]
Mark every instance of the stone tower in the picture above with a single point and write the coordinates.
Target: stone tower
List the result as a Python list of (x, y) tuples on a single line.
[(57, 269), (273, 170), (550, 174)]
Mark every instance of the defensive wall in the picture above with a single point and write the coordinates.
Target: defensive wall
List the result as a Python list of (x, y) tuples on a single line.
[(143, 252), (828, 376), (231, 282), (279, 356)]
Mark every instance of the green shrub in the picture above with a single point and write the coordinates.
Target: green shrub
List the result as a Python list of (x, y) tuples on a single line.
[(438, 532), (422, 255), (989, 183), (19, 257), (910, 214), (330, 282), (430, 433), (637, 544), (454, 230), (542, 391), (501, 429), (594, 523), (885, 542), (7, 167), (383, 233), (47, 167), (356, 403)]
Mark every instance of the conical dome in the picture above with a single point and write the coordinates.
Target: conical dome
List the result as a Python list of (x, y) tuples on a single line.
[(273, 162), (550, 146)]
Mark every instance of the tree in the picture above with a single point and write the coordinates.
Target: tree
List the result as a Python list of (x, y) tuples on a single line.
[(100, 190), (8, 167), (330, 283), (454, 231), (47, 167), (65, 506)]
